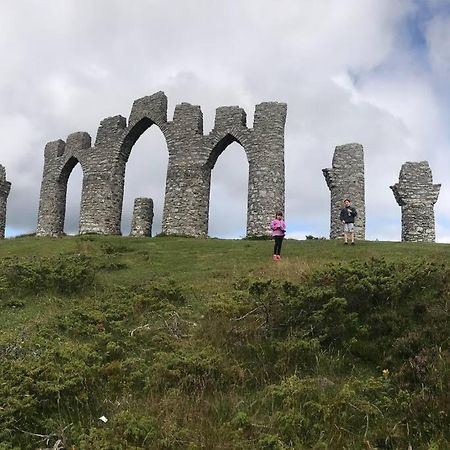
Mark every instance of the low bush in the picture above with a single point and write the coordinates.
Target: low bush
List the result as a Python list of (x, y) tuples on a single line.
[(64, 275)]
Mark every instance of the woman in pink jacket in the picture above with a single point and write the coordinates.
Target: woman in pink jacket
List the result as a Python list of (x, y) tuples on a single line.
[(278, 227)]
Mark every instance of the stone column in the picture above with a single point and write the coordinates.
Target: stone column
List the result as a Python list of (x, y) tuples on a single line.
[(52, 199), (141, 224), (187, 182), (103, 179), (346, 180), (5, 187), (266, 181), (416, 194)]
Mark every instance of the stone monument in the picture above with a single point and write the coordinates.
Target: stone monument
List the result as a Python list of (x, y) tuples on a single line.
[(192, 156), (416, 194), (346, 180)]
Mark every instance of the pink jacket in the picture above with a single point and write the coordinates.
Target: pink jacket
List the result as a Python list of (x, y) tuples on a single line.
[(278, 227)]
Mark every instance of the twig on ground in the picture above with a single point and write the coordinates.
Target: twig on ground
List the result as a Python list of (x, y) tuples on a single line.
[(247, 314)]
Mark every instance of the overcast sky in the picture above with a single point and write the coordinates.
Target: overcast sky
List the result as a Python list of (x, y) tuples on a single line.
[(375, 72)]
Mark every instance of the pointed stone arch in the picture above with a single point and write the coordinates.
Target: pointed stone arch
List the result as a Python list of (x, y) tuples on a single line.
[(139, 134), (228, 188), (60, 159), (62, 186)]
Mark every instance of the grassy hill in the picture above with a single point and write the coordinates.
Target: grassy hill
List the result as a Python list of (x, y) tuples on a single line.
[(189, 344)]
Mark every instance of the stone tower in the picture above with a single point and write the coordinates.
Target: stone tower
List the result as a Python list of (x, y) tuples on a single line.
[(346, 180), (416, 194), (5, 187)]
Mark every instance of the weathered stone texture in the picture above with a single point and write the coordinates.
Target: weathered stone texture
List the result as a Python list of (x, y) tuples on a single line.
[(346, 180), (59, 160), (192, 156), (141, 224), (416, 194), (5, 187)]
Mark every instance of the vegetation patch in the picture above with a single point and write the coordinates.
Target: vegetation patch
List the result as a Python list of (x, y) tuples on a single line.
[(348, 355)]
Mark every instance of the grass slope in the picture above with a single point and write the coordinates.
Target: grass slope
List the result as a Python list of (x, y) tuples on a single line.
[(185, 343)]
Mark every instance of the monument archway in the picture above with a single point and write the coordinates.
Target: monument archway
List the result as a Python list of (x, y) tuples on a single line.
[(192, 156), (145, 176), (228, 200), (74, 184)]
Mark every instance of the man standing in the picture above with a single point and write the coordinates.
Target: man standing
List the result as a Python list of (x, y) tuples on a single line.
[(347, 216)]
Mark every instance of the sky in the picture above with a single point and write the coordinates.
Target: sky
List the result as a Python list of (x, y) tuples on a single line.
[(376, 72)]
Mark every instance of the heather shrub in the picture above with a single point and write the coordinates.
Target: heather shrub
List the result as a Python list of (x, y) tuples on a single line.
[(64, 275)]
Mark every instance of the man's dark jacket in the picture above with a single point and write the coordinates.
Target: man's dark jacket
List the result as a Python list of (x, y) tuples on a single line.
[(348, 214)]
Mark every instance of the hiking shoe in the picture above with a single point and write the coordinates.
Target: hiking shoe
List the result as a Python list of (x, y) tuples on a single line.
[(278, 257), (274, 257)]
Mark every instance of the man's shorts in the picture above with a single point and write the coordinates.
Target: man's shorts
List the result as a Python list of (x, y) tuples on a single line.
[(348, 227)]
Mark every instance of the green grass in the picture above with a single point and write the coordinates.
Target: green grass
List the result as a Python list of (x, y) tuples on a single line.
[(192, 343)]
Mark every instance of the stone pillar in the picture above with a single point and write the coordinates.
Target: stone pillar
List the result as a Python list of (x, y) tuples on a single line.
[(52, 199), (103, 180), (346, 180), (416, 194), (187, 181), (5, 187), (266, 181), (141, 224)]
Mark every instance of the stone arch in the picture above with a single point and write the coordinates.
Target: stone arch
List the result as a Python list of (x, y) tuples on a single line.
[(124, 146), (191, 158), (138, 136), (62, 183), (59, 189), (133, 133), (237, 203), (66, 169), (220, 141), (60, 159)]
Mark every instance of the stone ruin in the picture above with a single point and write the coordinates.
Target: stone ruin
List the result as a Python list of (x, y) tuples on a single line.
[(5, 187), (416, 194), (346, 180), (141, 224), (192, 156)]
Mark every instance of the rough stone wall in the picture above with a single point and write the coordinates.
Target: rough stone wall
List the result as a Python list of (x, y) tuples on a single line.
[(346, 180), (416, 194), (192, 156), (141, 224), (5, 187)]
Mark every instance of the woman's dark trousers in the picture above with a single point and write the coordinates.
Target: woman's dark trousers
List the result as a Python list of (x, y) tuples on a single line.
[(278, 244)]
